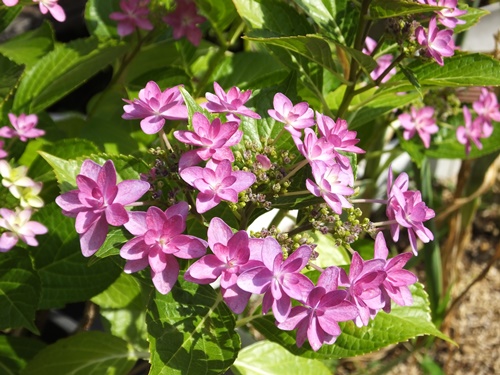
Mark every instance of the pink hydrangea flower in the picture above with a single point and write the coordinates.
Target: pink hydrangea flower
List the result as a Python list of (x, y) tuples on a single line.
[(232, 103), (325, 306), (158, 242), (18, 227), (99, 201), (447, 17), (278, 279), (216, 182), (315, 149), (407, 209), (53, 7), (155, 106), (383, 62), (471, 132), (363, 287), (10, 3), (231, 256), (420, 121), (134, 15), (437, 43), (24, 127), (488, 110), (397, 280), (332, 183), (213, 139), (295, 117), (184, 21)]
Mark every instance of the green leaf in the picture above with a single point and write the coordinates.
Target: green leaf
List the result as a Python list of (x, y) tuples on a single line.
[(273, 15), (265, 357), (16, 352), (62, 70), (29, 47), (19, 290), (64, 272), (329, 253), (337, 18), (191, 331), (402, 324), (472, 16), (113, 243), (311, 46), (7, 15), (97, 18), (126, 291), (85, 353), (460, 70), (380, 9), (11, 72), (220, 13)]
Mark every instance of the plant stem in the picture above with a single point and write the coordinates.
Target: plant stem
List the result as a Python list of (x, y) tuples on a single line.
[(297, 167)]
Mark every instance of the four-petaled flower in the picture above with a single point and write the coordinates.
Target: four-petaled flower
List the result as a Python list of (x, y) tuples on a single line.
[(295, 117), (99, 201), (325, 306), (158, 242), (279, 279), (24, 127), (216, 182), (213, 140), (184, 21), (232, 103), (155, 106), (134, 15), (19, 227), (231, 256), (437, 43), (420, 121)]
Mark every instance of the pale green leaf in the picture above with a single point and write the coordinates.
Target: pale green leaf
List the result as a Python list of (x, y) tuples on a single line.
[(86, 353), (19, 290), (191, 331), (268, 358), (472, 17)]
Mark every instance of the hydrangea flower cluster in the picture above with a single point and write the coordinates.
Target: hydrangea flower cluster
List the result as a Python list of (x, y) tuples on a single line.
[(419, 121), (487, 110), (46, 6), (15, 222), (246, 264)]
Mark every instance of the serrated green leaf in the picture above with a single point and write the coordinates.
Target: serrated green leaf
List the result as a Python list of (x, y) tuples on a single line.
[(19, 290), (337, 18), (114, 241), (64, 272), (191, 331), (126, 291), (7, 15), (273, 15), (402, 324), (62, 70), (11, 72), (16, 352), (97, 18), (380, 9), (268, 358), (65, 170), (85, 353), (472, 16), (28, 48), (463, 69)]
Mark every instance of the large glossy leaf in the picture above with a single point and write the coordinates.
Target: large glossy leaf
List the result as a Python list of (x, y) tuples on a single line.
[(460, 70), (85, 353), (269, 358), (16, 352), (402, 324), (337, 18), (220, 13), (19, 290), (191, 331), (28, 48), (62, 70), (65, 273), (386, 9), (97, 18)]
